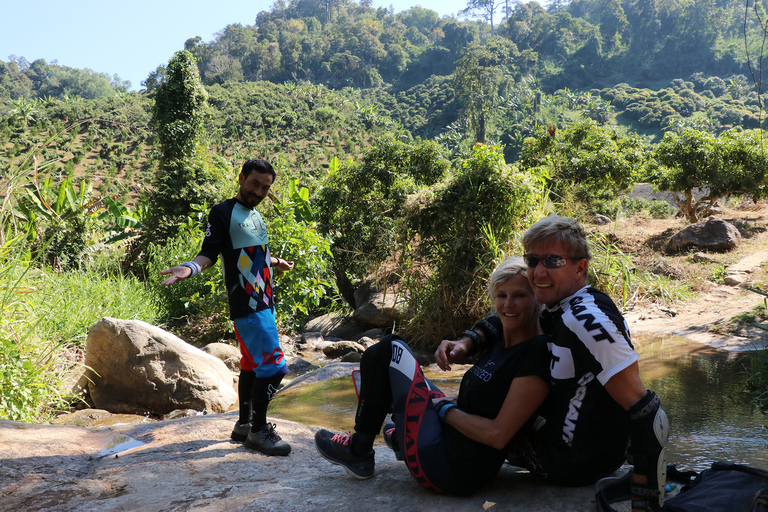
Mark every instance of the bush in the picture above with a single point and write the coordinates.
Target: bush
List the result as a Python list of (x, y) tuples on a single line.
[(660, 209), (294, 236), (465, 226), (203, 295), (716, 85), (361, 204)]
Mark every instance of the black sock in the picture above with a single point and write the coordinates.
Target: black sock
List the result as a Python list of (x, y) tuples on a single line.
[(244, 388), (262, 392)]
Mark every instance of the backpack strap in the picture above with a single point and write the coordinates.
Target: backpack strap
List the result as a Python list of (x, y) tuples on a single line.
[(729, 466)]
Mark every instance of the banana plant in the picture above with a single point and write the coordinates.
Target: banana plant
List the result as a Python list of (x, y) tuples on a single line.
[(70, 205)]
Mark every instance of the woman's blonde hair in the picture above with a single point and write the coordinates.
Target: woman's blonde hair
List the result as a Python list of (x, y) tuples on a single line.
[(507, 269)]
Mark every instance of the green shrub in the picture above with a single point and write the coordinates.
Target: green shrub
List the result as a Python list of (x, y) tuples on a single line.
[(660, 209), (462, 229), (203, 295), (294, 236)]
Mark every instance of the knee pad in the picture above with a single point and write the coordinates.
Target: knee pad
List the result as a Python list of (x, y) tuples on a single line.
[(648, 434)]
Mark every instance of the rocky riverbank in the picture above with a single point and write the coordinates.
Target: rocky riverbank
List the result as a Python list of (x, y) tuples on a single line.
[(190, 464)]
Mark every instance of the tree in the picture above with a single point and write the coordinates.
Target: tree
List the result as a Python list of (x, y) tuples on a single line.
[(24, 111), (482, 74), (186, 175), (463, 227), (596, 159), (361, 205), (154, 79), (485, 8), (734, 163)]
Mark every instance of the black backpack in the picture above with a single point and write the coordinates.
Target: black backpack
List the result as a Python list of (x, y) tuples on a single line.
[(725, 487)]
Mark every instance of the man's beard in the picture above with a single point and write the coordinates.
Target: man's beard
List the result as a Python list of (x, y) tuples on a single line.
[(252, 200)]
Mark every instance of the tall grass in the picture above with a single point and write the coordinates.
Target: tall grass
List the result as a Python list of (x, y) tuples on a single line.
[(69, 303), (46, 314)]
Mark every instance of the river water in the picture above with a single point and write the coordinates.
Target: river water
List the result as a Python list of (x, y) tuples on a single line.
[(700, 390)]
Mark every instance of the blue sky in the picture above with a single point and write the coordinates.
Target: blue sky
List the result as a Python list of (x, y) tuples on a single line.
[(132, 38)]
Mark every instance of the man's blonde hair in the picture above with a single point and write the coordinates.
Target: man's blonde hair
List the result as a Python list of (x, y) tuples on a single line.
[(561, 229)]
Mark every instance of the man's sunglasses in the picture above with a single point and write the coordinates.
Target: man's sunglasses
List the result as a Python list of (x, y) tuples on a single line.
[(549, 261)]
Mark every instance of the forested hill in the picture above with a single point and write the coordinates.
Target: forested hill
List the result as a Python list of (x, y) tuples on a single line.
[(646, 65), (581, 44)]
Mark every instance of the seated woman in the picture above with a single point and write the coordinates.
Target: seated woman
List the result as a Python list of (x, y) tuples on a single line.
[(452, 446)]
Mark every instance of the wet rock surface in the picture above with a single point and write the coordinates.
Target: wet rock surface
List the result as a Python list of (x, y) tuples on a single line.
[(190, 464)]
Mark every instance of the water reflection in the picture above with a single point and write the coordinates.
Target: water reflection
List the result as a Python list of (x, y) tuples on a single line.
[(701, 391), (119, 444), (699, 388)]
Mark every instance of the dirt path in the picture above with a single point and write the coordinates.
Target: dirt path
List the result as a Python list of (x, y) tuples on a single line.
[(705, 319), (708, 315)]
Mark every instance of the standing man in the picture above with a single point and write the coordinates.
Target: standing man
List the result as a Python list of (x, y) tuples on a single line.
[(597, 400), (237, 232)]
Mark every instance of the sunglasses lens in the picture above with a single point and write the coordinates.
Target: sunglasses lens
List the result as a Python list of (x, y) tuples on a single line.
[(553, 261), (549, 261)]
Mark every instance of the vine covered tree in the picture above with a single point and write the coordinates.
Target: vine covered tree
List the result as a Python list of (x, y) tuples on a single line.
[(185, 175), (361, 204)]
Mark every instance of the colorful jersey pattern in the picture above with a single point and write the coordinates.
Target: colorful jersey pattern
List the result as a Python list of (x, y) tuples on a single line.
[(239, 235)]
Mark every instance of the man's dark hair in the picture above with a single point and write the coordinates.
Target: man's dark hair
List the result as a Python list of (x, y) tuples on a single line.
[(260, 166)]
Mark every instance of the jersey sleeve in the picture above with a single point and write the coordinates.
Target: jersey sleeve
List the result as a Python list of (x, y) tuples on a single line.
[(603, 332), (215, 235), (491, 328)]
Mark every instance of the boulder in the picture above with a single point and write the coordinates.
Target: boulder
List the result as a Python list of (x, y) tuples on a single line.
[(376, 308), (663, 268), (366, 342), (352, 357), (298, 366), (712, 235), (602, 220), (221, 350), (137, 368), (341, 348), (311, 340), (370, 334), (191, 464), (229, 354), (702, 256), (328, 372), (334, 325)]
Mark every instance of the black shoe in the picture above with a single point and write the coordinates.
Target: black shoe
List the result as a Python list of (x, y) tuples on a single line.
[(267, 441), (335, 449), (390, 437), (622, 488), (612, 490), (240, 432)]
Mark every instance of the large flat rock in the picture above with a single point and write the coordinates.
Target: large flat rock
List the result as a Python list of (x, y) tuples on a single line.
[(190, 464)]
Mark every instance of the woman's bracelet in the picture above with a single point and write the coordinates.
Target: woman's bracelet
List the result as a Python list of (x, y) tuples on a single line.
[(472, 335), (442, 407), (194, 267)]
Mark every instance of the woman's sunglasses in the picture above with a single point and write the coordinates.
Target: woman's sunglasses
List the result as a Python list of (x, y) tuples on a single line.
[(549, 261)]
